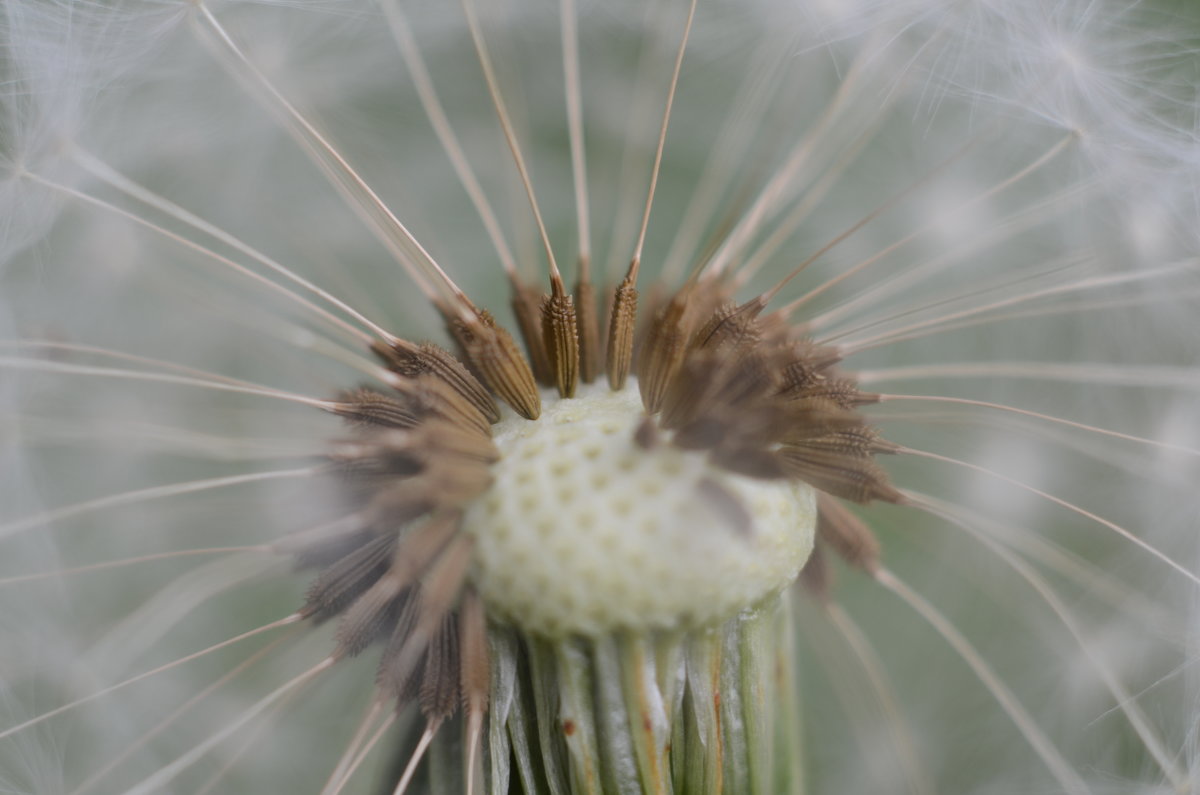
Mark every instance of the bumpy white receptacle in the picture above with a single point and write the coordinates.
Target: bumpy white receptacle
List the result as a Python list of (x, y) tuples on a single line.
[(584, 531)]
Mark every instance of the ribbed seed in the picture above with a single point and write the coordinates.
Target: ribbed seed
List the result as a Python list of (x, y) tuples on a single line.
[(589, 331), (856, 479), (498, 358), (440, 695), (559, 331), (663, 351), (846, 534), (526, 305), (413, 361), (620, 334), (366, 407), (373, 614), (732, 326), (473, 646), (431, 395), (443, 364)]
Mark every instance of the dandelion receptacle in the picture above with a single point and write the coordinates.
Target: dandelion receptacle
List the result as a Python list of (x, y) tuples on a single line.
[(691, 396)]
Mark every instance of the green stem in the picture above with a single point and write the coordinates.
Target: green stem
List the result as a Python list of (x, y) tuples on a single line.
[(712, 711)]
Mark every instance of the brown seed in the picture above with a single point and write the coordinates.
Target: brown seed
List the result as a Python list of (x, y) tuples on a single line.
[(813, 418), (431, 439), (345, 580), (729, 384), (847, 476), (841, 390), (442, 364), (401, 684), (561, 337), (846, 534), (418, 547), (370, 618), (371, 461), (589, 330), (441, 585), (732, 326), (526, 303), (430, 396), (440, 694), (861, 441), (494, 353), (449, 404), (807, 363), (412, 361), (381, 459), (473, 646), (622, 321), (662, 351), (441, 485), (366, 407)]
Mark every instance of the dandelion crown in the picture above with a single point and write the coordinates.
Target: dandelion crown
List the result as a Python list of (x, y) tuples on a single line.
[(574, 549)]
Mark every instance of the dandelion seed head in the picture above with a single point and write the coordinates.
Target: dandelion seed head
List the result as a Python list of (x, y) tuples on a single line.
[(1103, 90)]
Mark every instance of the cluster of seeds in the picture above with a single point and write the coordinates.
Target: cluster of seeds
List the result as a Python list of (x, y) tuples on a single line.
[(759, 416)]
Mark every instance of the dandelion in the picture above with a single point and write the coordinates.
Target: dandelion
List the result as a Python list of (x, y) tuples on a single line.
[(519, 397)]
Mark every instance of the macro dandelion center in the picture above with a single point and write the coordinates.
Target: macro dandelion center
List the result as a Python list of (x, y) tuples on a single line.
[(570, 397)]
